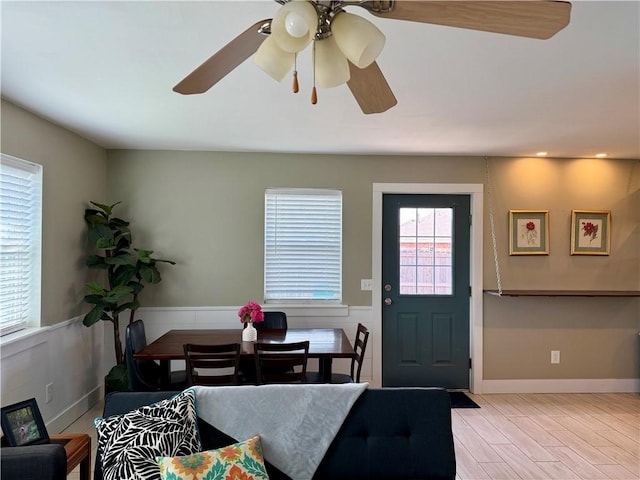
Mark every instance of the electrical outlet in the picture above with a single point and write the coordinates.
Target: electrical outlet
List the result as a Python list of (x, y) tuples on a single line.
[(366, 284), (555, 356), (48, 390)]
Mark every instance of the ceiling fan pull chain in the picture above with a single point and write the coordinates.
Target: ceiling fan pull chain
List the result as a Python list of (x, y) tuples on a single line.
[(493, 227), (295, 74), (314, 93)]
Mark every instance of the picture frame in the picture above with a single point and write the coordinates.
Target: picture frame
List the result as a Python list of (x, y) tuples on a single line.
[(528, 232), (590, 232), (22, 424)]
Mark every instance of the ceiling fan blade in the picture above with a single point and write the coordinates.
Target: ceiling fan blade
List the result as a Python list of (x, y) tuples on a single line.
[(223, 61), (525, 18), (370, 89)]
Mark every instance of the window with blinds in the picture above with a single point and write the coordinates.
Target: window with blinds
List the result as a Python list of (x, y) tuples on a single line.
[(303, 245), (20, 243)]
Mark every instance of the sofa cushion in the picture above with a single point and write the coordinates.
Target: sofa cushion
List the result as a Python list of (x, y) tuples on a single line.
[(129, 443), (240, 460)]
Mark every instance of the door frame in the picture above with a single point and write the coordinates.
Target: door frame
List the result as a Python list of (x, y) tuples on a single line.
[(476, 193)]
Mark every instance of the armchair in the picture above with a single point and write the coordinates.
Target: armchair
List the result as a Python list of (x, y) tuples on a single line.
[(34, 462)]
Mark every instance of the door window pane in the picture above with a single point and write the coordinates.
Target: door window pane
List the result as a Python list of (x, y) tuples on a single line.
[(425, 251)]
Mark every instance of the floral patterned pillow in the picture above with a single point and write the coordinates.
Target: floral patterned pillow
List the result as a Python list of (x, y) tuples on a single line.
[(238, 461)]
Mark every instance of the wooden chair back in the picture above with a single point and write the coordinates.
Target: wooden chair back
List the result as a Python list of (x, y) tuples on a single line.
[(212, 364), (359, 347), (275, 320), (281, 362)]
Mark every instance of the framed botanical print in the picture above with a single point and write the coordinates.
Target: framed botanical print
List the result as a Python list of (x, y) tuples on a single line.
[(590, 232), (528, 232)]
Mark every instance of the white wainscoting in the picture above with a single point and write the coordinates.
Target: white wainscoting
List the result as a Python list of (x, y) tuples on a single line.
[(68, 355)]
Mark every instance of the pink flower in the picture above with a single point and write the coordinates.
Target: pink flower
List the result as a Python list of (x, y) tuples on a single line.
[(531, 226), (251, 312)]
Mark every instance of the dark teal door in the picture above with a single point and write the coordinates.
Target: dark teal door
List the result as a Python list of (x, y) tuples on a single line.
[(425, 290)]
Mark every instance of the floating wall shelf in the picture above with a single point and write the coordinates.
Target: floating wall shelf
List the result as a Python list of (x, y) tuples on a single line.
[(565, 293)]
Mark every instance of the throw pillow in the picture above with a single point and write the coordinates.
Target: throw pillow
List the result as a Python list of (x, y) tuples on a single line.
[(129, 443), (241, 461)]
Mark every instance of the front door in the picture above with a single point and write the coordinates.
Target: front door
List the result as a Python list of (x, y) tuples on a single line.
[(425, 290)]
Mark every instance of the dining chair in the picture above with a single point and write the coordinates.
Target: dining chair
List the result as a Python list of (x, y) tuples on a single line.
[(359, 347), (281, 362), (275, 320), (212, 364), (272, 320), (146, 375)]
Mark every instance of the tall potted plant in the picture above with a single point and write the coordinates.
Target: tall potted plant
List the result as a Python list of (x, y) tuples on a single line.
[(127, 270)]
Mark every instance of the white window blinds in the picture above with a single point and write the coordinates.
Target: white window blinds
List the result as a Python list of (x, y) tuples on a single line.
[(303, 245), (20, 243)]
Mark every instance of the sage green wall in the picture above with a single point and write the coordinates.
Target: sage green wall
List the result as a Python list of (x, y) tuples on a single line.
[(74, 171), (205, 210)]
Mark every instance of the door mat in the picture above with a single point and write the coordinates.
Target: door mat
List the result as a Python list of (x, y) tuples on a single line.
[(461, 400)]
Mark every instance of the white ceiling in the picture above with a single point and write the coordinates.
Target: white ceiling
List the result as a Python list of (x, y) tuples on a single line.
[(106, 70)]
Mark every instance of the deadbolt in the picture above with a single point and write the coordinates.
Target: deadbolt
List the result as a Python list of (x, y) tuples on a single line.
[(387, 287)]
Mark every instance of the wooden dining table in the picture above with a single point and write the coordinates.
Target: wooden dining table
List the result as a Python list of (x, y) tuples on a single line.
[(325, 344)]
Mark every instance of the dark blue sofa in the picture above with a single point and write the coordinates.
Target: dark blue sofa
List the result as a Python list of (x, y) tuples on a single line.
[(390, 433)]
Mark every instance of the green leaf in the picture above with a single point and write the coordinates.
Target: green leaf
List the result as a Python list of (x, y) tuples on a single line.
[(95, 315), (106, 208), (150, 274), (96, 261), (95, 287), (123, 275), (164, 261), (117, 379), (121, 259), (117, 294), (136, 287), (144, 255), (93, 217), (94, 299), (127, 306), (100, 233), (119, 223)]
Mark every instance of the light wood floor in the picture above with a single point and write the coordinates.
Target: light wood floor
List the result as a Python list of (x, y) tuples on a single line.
[(532, 436)]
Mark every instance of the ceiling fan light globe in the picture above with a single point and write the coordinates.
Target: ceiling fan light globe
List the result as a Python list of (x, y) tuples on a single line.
[(331, 66), (274, 61), (295, 25), (359, 39), (305, 15)]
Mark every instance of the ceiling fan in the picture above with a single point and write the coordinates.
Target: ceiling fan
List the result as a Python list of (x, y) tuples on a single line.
[(275, 42)]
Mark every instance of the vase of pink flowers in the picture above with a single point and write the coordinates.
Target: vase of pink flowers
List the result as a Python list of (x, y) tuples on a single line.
[(250, 313)]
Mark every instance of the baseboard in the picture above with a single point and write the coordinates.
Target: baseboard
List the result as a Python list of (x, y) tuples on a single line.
[(579, 385), (75, 411)]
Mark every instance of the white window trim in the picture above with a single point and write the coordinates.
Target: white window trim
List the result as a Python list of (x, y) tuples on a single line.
[(304, 301), (33, 316)]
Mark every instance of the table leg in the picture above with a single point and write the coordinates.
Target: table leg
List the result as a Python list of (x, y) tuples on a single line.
[(165, 379), (85, 467), (325, 369)]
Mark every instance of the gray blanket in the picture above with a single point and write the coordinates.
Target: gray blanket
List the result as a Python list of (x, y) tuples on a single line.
[(297, 423)]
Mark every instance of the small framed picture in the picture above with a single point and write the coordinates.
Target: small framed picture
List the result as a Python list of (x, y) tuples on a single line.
[(22, 424), (590, 232), (528, 232)]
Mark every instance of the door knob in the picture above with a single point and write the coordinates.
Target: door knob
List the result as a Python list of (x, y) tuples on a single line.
[(388, 301)]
